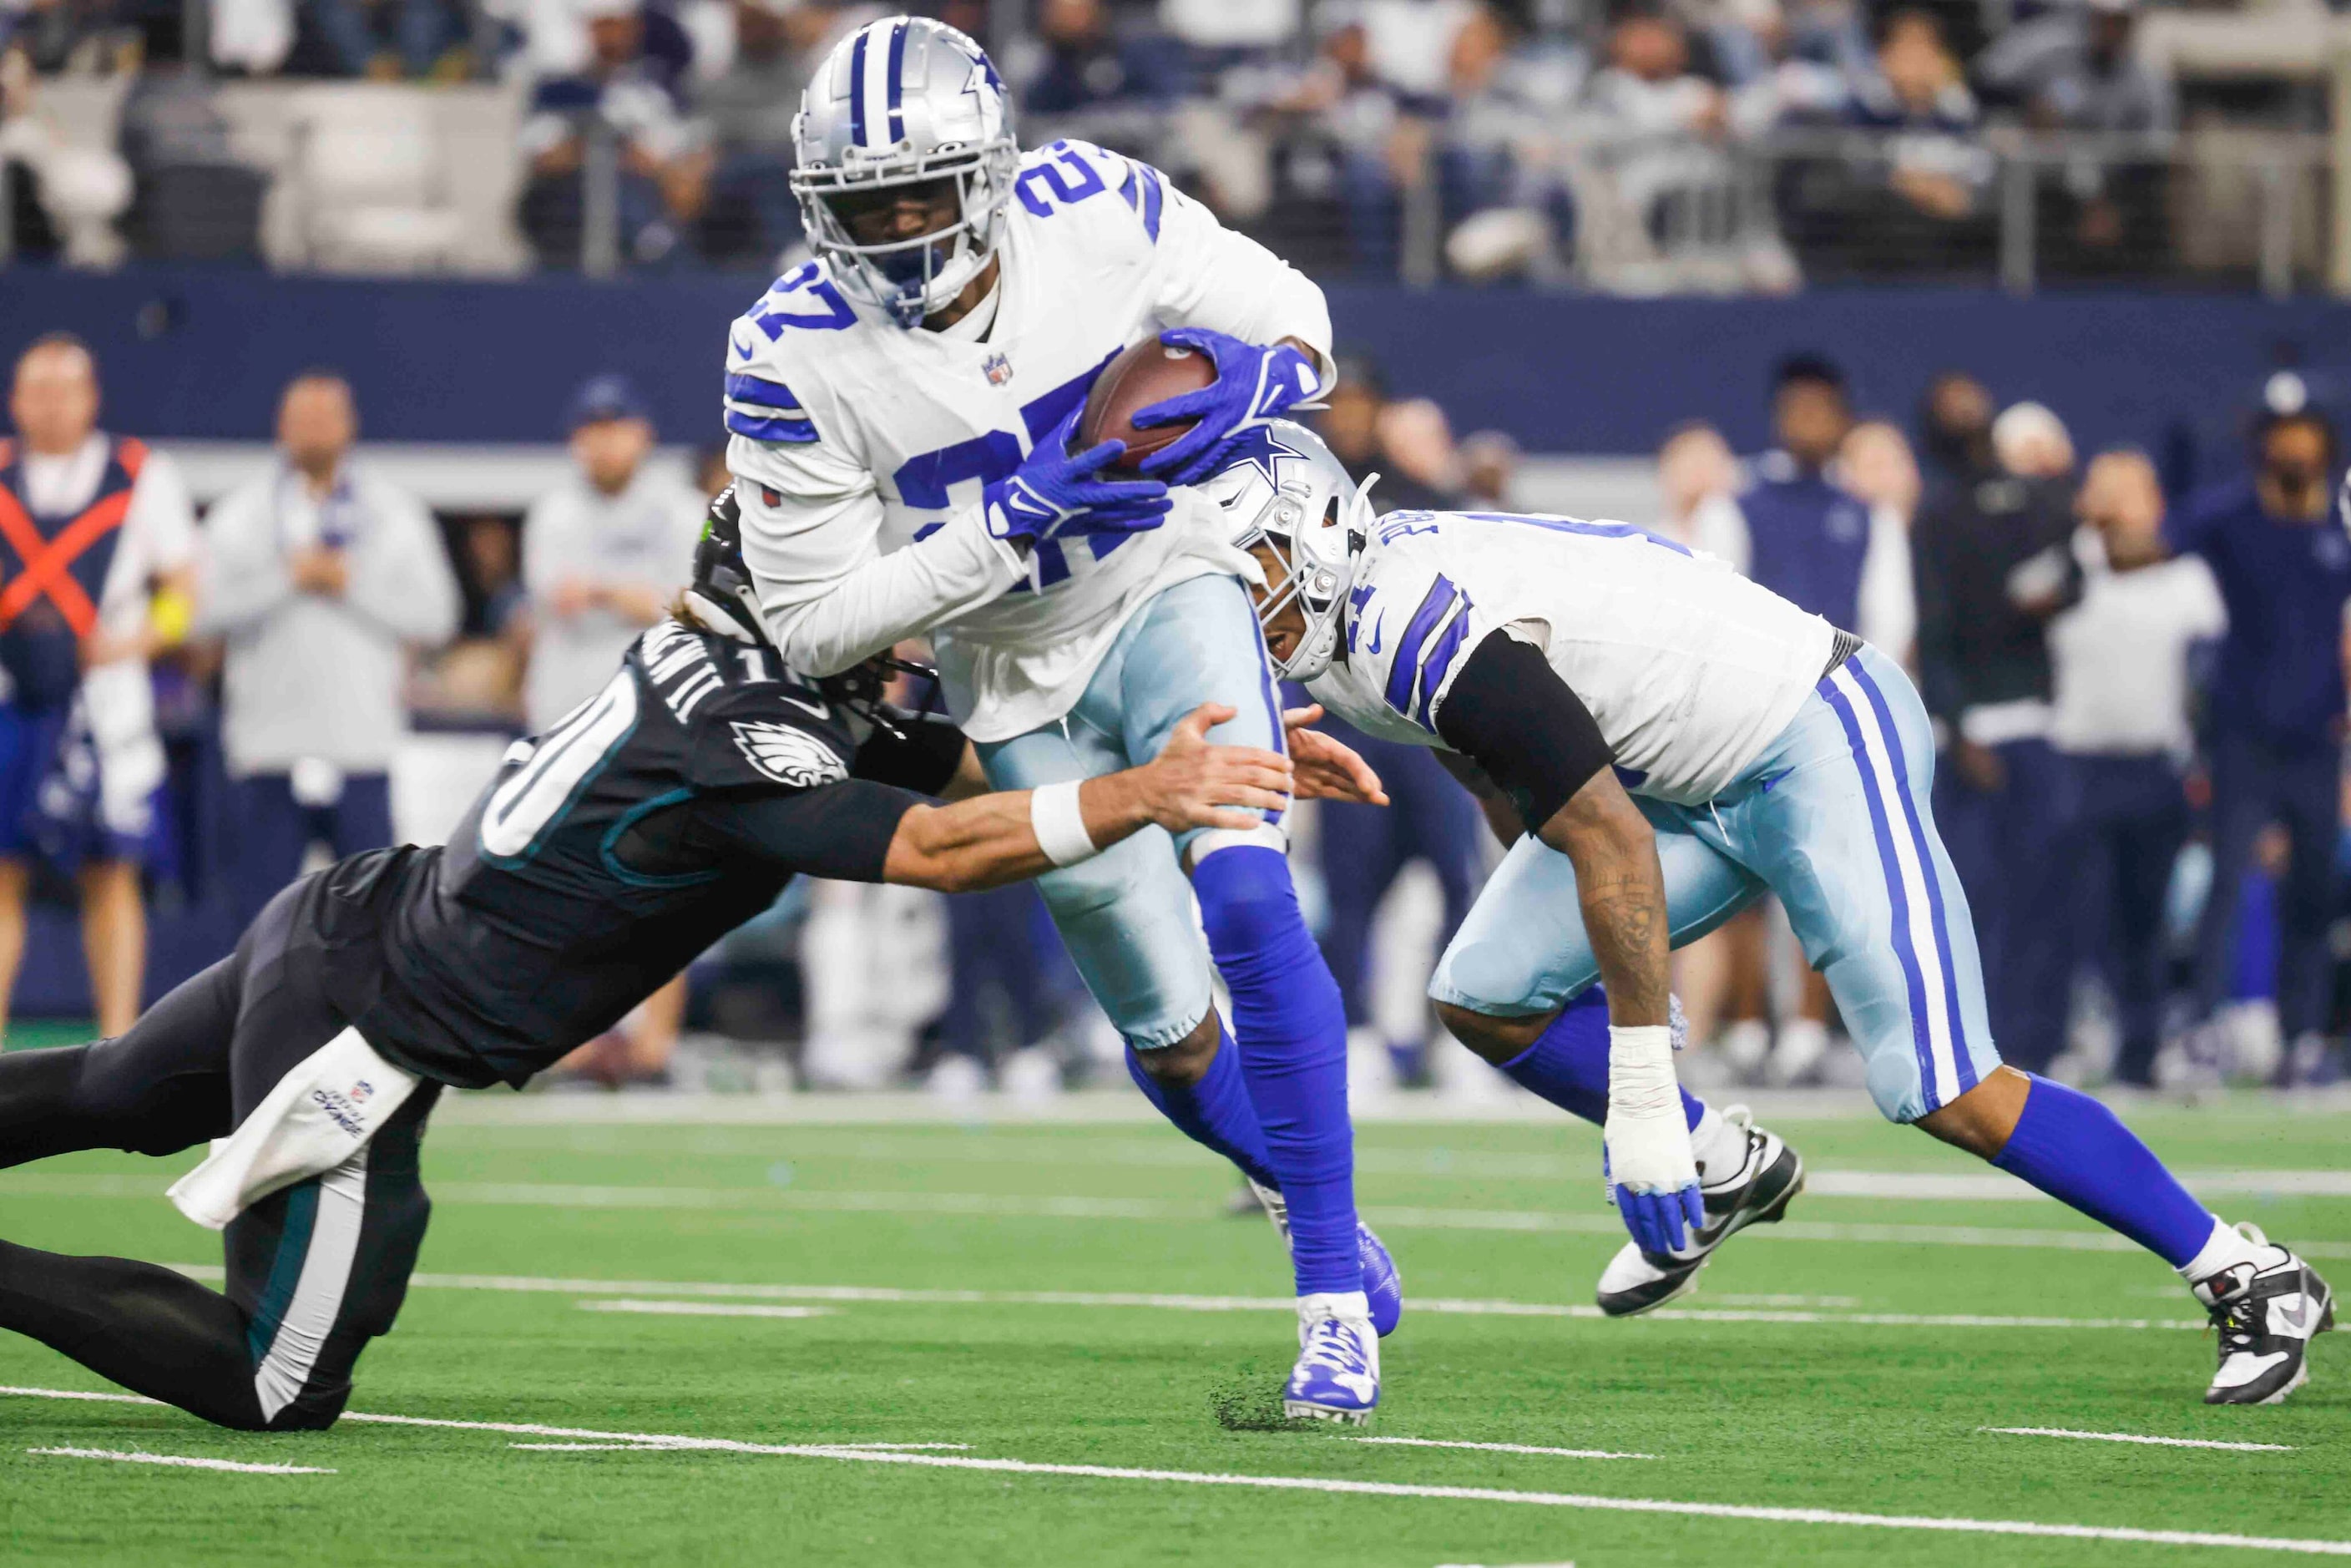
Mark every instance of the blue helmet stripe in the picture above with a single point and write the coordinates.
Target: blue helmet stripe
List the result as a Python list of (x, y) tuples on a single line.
[(857, 90), (897, 78)]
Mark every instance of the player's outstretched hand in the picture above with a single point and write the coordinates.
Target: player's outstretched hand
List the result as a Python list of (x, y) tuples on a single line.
[(1253, 385), (1328, 768), (1653, 1176), (1192, 784), (1053, 494)]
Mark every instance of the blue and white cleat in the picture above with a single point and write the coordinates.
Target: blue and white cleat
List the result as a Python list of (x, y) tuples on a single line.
[(1383, 1285), (1337, 1377)]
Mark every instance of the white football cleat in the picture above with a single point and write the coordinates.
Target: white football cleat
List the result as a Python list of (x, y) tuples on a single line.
[(2266, 1311), (1757, 1193), (1337, 1377)]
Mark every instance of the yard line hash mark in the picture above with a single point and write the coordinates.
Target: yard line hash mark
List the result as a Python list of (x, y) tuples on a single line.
[(2303, 1545), (2135, 1438), (182, 1461)]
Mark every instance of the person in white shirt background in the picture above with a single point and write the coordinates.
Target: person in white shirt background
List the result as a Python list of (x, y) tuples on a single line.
[(1880, 469), (97, 536), (603, 555), (320, 576), (2120, 659), (602, 552)]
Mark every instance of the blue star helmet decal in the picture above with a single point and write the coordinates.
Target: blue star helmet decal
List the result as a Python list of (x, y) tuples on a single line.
[(1262, 448)]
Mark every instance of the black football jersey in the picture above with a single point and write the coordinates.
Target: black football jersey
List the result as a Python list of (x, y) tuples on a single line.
[(607, 854)]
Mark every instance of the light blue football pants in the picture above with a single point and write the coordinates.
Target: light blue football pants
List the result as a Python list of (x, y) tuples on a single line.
[(1127, 913), (1834, 819)]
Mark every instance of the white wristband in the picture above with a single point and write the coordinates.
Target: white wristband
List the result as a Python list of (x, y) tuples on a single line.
[(1061, 827), (1641, 1069)]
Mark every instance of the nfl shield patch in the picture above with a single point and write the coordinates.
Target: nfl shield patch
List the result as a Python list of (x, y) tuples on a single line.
[(998, 369)]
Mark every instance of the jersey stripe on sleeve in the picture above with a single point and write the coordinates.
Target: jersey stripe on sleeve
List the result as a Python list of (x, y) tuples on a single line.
[(1434, 668), (762, 410), (1420, 663), (1145, 194)]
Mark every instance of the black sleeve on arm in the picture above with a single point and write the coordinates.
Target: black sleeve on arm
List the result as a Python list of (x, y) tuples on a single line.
[(923, 757), (1508, 712), (841, 830)]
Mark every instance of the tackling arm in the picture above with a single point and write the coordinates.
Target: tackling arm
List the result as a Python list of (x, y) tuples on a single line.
[(990, 840)]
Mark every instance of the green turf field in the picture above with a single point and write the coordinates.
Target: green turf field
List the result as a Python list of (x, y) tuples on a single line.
[(760, 1288)]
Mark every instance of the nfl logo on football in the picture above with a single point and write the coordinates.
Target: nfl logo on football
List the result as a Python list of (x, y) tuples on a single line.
[(998, 369)]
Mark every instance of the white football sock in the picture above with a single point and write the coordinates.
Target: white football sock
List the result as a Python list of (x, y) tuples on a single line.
[(2224, 1249), (1348, 1304), (1720, 1144)]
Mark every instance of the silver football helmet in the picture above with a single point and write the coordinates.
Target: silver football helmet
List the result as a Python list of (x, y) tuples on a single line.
[(900, 102), (1280, 486)]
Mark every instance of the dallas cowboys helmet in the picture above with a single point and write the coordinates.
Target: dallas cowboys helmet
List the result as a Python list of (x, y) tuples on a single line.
[(902, 102), (1280, 486)]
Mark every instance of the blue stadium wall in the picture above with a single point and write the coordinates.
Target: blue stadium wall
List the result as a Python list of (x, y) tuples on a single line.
[(192, 353)]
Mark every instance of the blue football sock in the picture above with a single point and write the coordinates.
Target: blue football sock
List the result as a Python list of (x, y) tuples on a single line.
[(2076, 1151), (1215, 1111), (1567, 1063), (1292, 1031)]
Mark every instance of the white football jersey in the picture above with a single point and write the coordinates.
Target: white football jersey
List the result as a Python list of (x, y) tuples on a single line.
[(1689, 669), (859, 438)]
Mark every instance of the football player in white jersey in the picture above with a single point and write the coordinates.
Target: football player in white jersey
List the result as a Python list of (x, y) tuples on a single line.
[(1678, 740), (901, 410)]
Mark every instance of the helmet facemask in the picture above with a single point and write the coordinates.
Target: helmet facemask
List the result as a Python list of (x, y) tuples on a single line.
[(1317, 562), (917, 277)]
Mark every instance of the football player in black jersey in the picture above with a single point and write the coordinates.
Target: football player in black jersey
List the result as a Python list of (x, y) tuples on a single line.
[(604, 856)]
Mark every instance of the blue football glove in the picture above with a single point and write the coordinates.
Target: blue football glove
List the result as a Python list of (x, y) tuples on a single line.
[(1253, 385), (1055, 496)]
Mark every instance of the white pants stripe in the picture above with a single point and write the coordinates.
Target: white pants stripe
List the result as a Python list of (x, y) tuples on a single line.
[(319, 1293)]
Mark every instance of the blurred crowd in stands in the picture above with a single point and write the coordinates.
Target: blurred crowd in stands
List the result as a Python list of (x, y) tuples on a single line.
[(2138, 689), (1637, 145), (2137, 676)]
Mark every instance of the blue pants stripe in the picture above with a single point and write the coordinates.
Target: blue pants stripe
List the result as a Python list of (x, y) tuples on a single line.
[(1922, 1039), (1962, 1062)]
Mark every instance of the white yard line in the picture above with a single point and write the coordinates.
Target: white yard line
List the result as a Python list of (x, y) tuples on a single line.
[(704, 1308), (989, 1206), (182, 1461), (1447, 1306), (2135, 1438), (1028, 1207), (1821, 1516), (1500, 1447), (659, 1448), (1015, 1146)]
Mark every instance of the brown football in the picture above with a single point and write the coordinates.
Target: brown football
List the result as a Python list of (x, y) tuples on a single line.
[(1147, 372)]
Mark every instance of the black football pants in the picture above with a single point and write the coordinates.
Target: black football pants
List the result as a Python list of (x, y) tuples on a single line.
[(315, 1271)]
